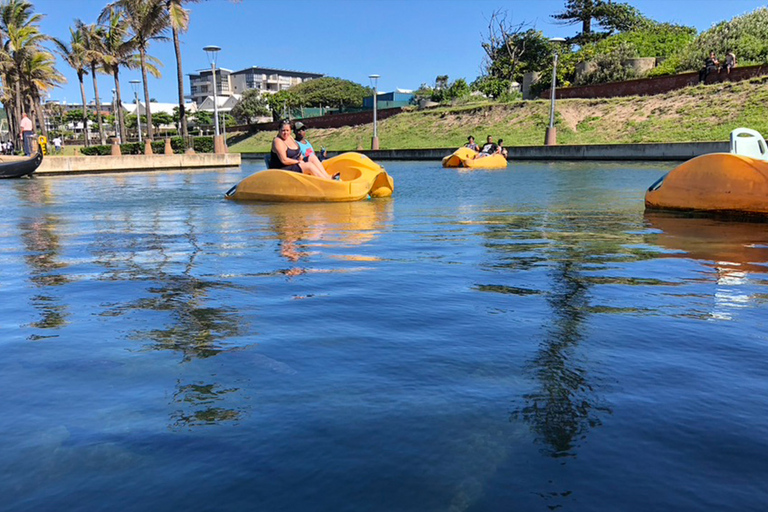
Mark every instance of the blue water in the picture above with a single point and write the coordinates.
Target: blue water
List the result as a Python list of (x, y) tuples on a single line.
[(523, 339)]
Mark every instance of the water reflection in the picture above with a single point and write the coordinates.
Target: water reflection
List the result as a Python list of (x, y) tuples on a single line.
[(734, 250), (42, 244), (200, 404), (197, 329), (300, 227)]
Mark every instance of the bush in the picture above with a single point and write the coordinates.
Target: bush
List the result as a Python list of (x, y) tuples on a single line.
[(203, 144), (158, 147), (746, 35), (611, 66)]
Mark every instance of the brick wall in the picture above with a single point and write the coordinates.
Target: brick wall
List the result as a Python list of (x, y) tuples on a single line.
[(657, 85), (329, 121)]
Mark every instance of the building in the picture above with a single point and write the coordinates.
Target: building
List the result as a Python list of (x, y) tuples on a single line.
[(396, 98), (229, 83)]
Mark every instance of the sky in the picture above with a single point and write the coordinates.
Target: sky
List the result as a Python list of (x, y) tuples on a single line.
[(406, 42)]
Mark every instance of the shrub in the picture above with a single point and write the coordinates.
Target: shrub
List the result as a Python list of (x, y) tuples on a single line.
[(746, 35)]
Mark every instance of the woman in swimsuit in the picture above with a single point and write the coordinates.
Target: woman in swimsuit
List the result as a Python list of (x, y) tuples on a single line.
[(287, 155)]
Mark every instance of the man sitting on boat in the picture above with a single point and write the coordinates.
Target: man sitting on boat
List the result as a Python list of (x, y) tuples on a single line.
[(489, 148)]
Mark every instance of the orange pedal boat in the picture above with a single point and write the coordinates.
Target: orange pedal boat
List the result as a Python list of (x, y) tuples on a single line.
[(735, 182)]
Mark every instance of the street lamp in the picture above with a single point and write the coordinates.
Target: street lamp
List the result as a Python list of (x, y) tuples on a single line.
[(550, 139), (114, 114), (135, 86), (375, 140), (211, 52)]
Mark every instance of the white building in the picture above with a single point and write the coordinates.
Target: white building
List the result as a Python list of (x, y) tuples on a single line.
[(229, 83)]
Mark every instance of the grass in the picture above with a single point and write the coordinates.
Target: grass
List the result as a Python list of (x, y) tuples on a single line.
[(693, 114)]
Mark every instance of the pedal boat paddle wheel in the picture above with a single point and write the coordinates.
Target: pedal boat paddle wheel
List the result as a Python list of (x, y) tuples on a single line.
[(729, 183)]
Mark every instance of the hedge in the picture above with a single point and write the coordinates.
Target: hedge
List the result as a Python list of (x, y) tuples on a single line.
[(199, 144)]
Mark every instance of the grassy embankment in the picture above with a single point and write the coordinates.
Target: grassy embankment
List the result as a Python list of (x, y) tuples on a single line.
[(700, 113)]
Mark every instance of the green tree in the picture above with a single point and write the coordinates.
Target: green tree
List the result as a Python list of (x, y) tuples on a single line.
[(22, 43), (611, 16), (74, 54), (118, 52), (251, 106), (458, 89), (282, 102), (329, 91), (147, 21), (203, 117), (511, 50), (161, 118), (178, 18), (94, 56)]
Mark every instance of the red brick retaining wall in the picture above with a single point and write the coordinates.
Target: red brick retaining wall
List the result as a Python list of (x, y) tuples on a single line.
[(657, 85), (329, 121)]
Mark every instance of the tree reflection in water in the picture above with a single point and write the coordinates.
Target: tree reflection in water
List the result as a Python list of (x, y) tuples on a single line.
[(199, 405), (42, 255)]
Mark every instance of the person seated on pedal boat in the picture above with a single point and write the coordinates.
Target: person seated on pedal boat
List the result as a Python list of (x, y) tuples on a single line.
[(286, 155)]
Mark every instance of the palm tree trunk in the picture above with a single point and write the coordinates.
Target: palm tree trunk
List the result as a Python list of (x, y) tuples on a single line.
[(85, 109), (17, 106), (142, 56), (102, 137), (119, 105), (180, 77), (39, 110)]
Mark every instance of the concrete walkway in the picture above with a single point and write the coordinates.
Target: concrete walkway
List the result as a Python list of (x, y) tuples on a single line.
[(63, 165)]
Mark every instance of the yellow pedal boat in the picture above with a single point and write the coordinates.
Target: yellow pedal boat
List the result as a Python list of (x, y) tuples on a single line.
[(465, 157), (360, 177), (735, 182)]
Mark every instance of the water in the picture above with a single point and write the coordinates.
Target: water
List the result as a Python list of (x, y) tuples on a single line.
[(525, 339)]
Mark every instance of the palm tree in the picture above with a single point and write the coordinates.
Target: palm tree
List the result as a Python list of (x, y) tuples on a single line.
[(117, 52), (179, 19), (19, 24), (40, 76), (148, 20), (74, 55), (94, 56)]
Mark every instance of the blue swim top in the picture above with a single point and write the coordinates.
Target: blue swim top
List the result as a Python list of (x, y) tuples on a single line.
[(306, 148)]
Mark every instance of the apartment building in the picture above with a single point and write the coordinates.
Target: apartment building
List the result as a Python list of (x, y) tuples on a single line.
[(229, 83)]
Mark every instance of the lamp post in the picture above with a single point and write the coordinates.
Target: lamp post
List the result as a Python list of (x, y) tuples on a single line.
[(211, 52), (550, 139), (114, 114), (135, 86), (375, 140)]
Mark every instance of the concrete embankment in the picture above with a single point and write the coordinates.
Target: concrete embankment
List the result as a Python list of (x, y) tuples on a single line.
[(677, 151), (62, 165)]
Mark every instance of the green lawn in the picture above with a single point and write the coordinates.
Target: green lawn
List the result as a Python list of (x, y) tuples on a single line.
[(692, 114)]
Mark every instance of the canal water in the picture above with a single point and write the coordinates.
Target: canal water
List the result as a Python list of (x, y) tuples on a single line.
[(519, 339)]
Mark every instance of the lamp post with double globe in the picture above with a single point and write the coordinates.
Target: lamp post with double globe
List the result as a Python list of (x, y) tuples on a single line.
[(211, 51)]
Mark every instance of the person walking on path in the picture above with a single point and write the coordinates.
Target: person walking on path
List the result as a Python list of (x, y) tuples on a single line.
[(26, 133)]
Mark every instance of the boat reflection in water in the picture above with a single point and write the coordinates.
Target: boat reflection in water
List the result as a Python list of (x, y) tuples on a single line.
[(734, 250), (303, 228)]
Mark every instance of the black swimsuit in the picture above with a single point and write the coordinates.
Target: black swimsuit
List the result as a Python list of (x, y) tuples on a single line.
[(275, 163)]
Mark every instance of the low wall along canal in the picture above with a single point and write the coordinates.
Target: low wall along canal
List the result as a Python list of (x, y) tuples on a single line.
[(678, 151)]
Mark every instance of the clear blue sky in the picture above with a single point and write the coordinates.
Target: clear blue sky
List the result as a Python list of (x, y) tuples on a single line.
[(407, 42)]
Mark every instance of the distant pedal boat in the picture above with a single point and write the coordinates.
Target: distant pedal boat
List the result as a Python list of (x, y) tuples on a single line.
[(20, 168), (735, 182), (360, 178), (465, 157)]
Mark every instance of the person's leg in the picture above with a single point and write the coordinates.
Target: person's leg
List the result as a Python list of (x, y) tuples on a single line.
[(312, 170), (318, 165), (26, 143)]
